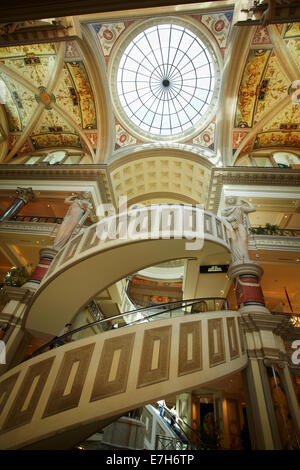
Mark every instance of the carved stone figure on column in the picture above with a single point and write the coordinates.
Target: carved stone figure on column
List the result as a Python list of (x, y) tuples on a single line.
[(238, 225), (78, 212)]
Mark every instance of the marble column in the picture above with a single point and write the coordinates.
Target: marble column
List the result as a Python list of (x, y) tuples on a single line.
[(262, 343), (16, 300), (47, 254), (24, 195), (184, 403)]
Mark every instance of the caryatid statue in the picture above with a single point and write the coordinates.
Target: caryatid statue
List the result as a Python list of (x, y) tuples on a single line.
[(237, 223), (78, 212)]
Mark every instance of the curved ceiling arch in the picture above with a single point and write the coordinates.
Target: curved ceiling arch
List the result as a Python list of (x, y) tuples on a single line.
[(205, 156)]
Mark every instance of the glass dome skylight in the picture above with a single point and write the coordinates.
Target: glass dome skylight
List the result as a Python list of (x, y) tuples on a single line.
[(165, 80)]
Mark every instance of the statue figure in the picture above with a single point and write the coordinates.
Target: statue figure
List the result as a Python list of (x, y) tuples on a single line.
[(78, 212), (238, 225)]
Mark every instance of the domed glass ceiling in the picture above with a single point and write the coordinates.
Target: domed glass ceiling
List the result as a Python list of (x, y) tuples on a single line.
[(165, 80)]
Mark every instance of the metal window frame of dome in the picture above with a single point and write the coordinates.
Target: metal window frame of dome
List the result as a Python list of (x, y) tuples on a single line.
[(113, 66)]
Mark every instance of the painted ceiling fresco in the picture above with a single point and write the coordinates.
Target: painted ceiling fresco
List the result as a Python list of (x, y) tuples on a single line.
[(266, 116), (48, 101)]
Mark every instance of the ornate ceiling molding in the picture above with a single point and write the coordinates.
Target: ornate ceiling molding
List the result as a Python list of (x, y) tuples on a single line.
[(63, 173), (34, 228), (248, 176)]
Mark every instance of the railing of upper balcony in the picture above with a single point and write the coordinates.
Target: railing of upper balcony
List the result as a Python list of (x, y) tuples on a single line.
[(193, 439), (163, 311), (276, 232), (35, 218)]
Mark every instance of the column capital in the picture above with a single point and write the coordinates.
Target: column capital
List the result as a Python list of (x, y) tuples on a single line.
[(262, 319), (26, 194), (275, 362), (21, 294)]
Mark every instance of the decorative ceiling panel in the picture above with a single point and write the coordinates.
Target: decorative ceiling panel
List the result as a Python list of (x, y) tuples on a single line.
[(23, 51), (36, 69), (55, 140), (207, 137), (123, 138), (52, 121), (67, 97), (84, 92), (287, 120), (293, 46), (219, 25), (277, 139), (272, 88), (108, 34), (11, 108), (251, 79), (20, 105)]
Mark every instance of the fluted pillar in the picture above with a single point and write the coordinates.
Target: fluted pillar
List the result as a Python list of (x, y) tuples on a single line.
[(24, 195)]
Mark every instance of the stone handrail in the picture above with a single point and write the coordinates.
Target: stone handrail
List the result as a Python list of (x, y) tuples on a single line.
[(76, 273), (59, 398)]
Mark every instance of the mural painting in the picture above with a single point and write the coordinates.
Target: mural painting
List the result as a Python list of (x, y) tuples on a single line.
[(85, 94), (251, 79), (55, 140)]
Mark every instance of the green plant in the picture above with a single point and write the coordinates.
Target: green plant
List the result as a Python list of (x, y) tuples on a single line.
[(17, 276), (268, 229)]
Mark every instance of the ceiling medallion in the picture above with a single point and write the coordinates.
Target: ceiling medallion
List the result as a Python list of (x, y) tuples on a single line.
[(45, 98)]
